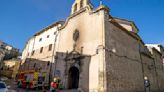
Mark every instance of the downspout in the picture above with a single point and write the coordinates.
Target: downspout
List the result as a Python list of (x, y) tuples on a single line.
[(53, 58)]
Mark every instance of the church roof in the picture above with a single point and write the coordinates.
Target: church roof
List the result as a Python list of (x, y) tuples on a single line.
[(132, 34), (127, 22)]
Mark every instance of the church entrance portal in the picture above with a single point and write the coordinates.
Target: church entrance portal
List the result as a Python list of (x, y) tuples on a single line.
[(73, 80)]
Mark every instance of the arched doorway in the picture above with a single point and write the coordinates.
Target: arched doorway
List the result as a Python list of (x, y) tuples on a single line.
[(73, 79)]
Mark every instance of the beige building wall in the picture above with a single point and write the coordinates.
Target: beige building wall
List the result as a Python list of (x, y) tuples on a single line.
[(91, 38), (43, 39)]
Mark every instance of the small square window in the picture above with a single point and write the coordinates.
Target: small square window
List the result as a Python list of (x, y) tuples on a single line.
[(55, 33), (48, 36), (40, 39), (33, 52)]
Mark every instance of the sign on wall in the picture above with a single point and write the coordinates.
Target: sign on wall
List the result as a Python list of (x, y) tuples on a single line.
[(57, 73)]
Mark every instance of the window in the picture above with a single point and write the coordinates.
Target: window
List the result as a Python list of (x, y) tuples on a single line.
[(40, 39), (8, 67), (55, 33), (75, 8), (34, 65), (48, 63), (41, 49), (1, 68), (33, 52), (48, 36), (81, 4), (27, 54), (50, 47)]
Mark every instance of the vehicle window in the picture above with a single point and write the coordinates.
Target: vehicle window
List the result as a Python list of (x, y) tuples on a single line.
[(2, 85)]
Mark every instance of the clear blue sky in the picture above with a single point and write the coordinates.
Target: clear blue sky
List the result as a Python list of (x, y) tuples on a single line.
[(20, 19)]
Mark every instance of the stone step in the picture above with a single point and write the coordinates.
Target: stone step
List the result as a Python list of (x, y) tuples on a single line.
[(69, 90)]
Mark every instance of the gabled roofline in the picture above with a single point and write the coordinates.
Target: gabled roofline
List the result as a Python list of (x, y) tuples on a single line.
[(134, 35), (73, 15), (131, 22), (49, 27), (157, 51)]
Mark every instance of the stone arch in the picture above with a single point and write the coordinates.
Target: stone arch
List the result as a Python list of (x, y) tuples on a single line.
[(73, 78)]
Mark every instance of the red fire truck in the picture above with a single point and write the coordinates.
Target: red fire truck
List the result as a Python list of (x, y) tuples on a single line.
[(32, 79)]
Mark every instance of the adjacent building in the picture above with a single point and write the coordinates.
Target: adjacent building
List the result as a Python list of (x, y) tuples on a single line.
[(10, 68), (7, 51), (8, 65), (93, 51)]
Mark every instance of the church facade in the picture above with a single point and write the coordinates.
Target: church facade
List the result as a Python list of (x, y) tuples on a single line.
[(94, 52)]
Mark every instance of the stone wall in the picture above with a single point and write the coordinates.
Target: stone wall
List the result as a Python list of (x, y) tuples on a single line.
[(150, 71), (63, 66), (159, 69), (9, 68), (123, 63)]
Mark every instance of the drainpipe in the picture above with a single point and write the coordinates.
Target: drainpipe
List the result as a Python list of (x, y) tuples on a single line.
[(53, 58)]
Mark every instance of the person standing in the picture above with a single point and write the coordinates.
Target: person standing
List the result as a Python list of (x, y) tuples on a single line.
[(53, 85), (147, 84)]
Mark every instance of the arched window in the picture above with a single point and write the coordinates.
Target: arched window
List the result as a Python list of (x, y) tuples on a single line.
[(41, 49), (81, 4), (50, 47), (75, 8), (73, 78)]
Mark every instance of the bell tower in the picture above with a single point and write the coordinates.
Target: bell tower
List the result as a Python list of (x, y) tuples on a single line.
[(80, 4)]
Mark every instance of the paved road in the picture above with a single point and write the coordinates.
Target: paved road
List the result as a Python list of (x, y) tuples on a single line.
[(13, 88)]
